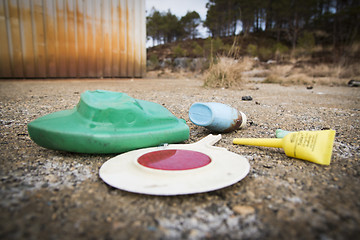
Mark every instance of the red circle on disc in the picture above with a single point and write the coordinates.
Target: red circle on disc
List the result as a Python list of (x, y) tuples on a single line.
[(174, 159)]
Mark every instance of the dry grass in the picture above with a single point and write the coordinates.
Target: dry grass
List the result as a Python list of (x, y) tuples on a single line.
[(168, 73), (323, 70), (294, 79), (232, 70), (225, 73), (247, 63), (321, 74)]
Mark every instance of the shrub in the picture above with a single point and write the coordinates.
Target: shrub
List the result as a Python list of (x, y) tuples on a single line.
[(265, 53), (281, 51), (252, 50), (153, 62), (179, 52), (226, 48), (217, 44), (212, 46), (197, 50), (306, 41)]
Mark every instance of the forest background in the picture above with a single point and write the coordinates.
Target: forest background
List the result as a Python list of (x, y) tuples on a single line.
[(282, 31)]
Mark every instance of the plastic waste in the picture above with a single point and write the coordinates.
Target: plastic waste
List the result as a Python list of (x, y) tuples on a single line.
[(313, 146), (354, 83), (246, 98), (176, 169), (281, 133), (108, 122), (216, 117)]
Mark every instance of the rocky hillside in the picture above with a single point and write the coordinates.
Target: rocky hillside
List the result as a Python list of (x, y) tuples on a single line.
[(263, 46), (256, 57)]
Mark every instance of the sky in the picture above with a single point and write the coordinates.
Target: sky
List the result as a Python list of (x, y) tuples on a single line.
[(178, 7)]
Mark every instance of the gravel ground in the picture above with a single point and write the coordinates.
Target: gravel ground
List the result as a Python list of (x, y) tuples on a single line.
[(48, 194)]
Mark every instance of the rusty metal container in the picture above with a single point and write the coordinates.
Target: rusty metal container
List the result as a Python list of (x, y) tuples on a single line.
[(72, 38)]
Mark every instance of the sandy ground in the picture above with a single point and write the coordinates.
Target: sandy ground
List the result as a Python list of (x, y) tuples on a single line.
[(48, 194)]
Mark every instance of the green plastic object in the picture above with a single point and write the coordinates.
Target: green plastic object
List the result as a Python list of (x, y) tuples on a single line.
[(281, 133), (108, 122)]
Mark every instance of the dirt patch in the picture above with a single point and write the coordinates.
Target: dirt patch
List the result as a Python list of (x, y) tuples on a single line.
[(48, 194)]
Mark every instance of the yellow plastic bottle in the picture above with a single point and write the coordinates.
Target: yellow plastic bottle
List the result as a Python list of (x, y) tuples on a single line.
[(313, 146)]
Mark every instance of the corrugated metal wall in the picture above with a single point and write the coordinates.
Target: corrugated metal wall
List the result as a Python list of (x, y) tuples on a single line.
[(72, 38)]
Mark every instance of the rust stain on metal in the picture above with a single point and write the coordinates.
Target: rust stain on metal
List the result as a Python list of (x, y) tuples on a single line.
[(17, 60), (72, 38), (130, 39), (39, 39), (5, 56), (80, 35), (71, 47), (122, 40), (50, 38), (115, 49)]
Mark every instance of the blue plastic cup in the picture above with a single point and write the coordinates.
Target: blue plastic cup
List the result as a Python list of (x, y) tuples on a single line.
[(216, 117)]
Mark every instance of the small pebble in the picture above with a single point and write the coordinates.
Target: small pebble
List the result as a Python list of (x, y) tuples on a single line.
[(246, 98), (243, 210)]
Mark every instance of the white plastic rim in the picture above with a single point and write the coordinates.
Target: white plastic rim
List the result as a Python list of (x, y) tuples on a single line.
[(226, 168), (244, 120)]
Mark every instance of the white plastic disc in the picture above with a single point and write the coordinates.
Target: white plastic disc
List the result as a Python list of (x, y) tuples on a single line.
[(225, 168)]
